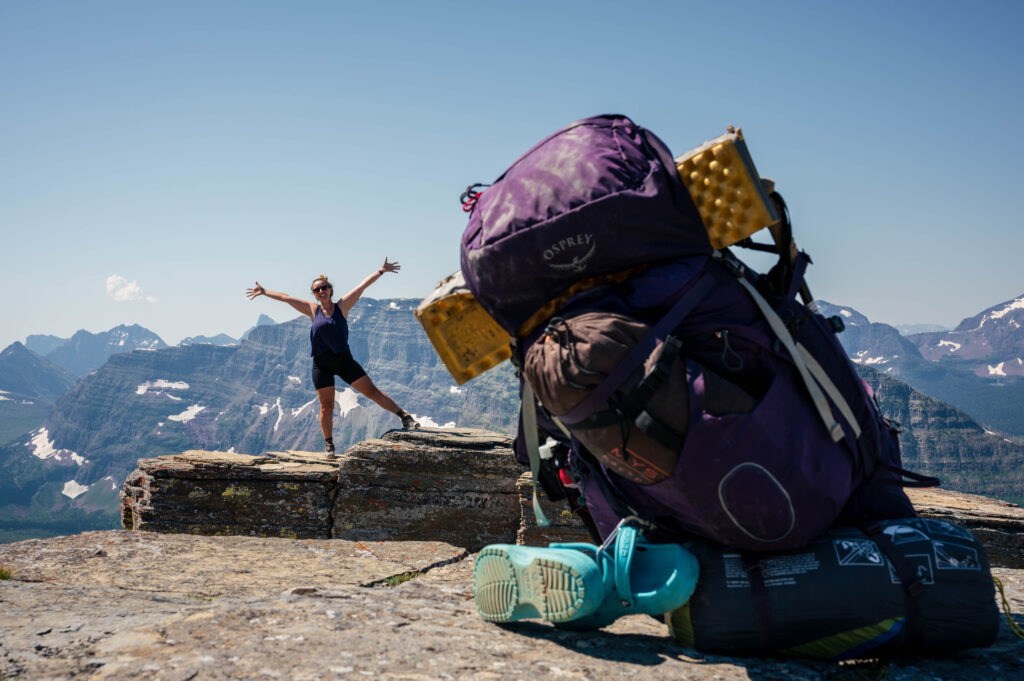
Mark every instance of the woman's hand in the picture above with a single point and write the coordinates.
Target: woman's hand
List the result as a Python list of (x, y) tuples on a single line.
[(255, 291), (389, 267)]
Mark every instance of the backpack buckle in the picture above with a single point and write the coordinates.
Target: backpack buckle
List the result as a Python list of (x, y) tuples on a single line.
[(734, 266)]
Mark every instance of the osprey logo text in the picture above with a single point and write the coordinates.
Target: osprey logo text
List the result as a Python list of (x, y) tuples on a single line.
[(581, 247)]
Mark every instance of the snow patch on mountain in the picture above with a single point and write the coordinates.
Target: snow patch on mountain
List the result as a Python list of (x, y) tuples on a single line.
[(1017, 304), (862, 358), (846, 313), (347, 400), (996, 370), (72, 489), (280, 414), (159, 386), (188, 414), (427, 422), (296, 412), (43, 448), (953, 347)]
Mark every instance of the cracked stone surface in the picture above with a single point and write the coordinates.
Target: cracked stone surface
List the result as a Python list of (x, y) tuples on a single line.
[(141, 605)]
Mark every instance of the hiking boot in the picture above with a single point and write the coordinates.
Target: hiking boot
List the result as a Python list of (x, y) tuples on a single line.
[(512, 582), (408, 422), (329, 450)]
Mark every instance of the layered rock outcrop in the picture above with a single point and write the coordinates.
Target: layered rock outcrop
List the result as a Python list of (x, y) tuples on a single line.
[(457, 485), (461, 486)]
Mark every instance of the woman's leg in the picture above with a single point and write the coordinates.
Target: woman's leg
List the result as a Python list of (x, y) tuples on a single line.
[(366, 386), (326, 396)]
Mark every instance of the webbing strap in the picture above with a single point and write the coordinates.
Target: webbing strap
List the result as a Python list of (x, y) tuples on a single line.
[(821, 376), (640, 351), (912, 583), (561, 426), (800, 263), (762, 603), (528, 408), (820, 403)]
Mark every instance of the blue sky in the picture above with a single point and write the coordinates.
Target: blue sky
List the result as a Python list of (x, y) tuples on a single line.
[(190, 148)]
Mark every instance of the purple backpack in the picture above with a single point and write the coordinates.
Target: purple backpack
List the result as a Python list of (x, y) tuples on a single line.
[(562, 213), (692, 393)]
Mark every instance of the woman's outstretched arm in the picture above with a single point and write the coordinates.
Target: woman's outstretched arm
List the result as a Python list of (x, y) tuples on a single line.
[(306, 307), (352, 297)]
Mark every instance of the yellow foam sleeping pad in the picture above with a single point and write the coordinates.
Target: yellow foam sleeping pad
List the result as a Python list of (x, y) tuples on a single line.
[(724, 184)]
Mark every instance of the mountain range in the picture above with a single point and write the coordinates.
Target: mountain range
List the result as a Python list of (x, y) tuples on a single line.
[(64, 457), (251, 397), (977, 367)]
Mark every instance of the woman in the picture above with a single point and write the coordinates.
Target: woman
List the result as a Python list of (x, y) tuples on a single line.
[(331, 355)]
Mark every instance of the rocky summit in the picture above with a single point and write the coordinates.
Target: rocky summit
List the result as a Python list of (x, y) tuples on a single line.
[(142, 605), (384, 592)]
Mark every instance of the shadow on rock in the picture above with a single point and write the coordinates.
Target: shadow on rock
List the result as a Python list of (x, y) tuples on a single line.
[(641, 649)]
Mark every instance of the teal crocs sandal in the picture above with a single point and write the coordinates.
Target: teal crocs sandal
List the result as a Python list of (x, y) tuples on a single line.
[(641, 578), (513, 582)]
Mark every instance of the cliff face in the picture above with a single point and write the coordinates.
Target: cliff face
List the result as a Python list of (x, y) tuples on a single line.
[(940, 440)]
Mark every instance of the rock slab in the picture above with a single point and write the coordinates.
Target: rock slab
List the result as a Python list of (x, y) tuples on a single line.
[(153, 606), (457, 485)]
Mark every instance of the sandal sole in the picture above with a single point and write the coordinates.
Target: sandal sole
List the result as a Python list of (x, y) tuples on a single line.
[(510, 585)]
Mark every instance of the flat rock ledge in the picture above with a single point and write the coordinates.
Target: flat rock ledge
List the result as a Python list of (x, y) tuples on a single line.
[(151, 606)]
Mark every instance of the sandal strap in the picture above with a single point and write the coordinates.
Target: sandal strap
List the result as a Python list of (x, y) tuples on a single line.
[(625, 544)]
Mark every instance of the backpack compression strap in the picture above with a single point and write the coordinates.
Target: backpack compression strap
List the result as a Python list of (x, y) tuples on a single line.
[(782, 333)]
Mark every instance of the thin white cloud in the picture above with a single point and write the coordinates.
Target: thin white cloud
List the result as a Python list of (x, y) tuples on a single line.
[(124, 291)]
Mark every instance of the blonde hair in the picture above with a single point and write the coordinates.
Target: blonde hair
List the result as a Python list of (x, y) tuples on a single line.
[(322, 277)]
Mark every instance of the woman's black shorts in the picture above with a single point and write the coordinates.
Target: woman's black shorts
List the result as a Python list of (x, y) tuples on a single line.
[(326, 366)]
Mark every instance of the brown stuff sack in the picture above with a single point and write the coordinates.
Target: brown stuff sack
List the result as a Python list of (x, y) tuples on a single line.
[(639, 431)]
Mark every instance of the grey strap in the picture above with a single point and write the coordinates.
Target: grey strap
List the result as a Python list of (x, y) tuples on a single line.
[(528, 408), (821, 376), (820, 403)]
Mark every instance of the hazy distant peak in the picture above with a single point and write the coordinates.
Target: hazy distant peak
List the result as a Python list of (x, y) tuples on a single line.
[(219, 339), (263, 320), (86, 351), (43, 344)]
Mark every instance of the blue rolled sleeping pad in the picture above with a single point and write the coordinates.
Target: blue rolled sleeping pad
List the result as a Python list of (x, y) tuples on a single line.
[(914, 585)]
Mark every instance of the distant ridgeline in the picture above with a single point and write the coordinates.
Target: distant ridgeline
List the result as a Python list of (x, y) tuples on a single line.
[(65, 452)]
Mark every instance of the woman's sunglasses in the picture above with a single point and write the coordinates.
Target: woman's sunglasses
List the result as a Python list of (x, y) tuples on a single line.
[(318, 289)]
